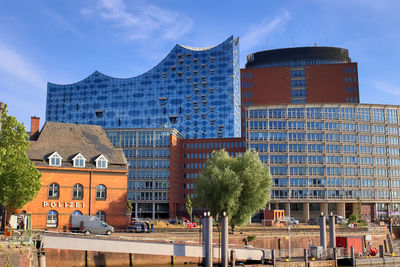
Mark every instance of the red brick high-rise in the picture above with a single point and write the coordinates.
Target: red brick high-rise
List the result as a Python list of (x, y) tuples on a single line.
[(299, 75)]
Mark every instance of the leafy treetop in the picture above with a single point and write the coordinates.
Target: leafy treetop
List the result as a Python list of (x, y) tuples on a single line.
[(19, 179)]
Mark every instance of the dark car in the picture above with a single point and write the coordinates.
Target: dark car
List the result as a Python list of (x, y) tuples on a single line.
[(140, 226), (313, 221)]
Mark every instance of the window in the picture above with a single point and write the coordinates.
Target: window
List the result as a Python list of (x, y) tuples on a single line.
[(101, 162), (79, 161), (101, 215), (77, 212), (101, 192), (53, 191), (77, 191), (52, 218), (55, 159)]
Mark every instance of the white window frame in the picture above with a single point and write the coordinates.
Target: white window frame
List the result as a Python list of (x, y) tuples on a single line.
[(55, 159), (77, 159), (101, 162)]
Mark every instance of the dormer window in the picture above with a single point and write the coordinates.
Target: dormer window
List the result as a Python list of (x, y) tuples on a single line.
[(79, 161), (101, 162), (55, 159)]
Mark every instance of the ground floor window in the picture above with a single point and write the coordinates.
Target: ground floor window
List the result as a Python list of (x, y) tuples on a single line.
[(52, 218), (77, 212)]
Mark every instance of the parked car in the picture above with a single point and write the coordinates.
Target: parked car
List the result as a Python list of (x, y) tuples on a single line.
[(313, 221), (89, 225), (139, 226), (290, 220), (338, 219)]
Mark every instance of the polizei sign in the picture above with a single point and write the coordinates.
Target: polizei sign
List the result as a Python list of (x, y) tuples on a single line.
[(72, 205)]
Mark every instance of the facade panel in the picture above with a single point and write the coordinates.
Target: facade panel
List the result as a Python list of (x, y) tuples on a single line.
[(194, 90)]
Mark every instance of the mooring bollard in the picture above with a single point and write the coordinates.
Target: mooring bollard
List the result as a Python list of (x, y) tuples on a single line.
[(273, 258), (305, 256), (233, 258), (381, 252), (41, 259)]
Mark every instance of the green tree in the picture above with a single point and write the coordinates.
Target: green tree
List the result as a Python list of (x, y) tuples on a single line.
[(19, 179), (189, 207), (238, 186)]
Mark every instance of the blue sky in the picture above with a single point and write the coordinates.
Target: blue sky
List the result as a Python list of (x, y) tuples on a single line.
[(65, 41)]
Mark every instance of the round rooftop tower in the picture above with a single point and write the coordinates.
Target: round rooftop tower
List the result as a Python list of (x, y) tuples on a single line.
[(298, 56)]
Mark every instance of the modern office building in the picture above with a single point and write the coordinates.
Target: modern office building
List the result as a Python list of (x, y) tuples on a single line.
[(193, 90), (155, 169), (163, 167), (340, 158), (299, 75)]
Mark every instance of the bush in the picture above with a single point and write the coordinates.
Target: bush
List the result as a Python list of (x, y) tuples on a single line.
[(353, 218)]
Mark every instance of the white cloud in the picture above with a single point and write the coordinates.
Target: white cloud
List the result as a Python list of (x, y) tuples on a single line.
[(14, 64), (387, 88), (257, 33), (140, 20)]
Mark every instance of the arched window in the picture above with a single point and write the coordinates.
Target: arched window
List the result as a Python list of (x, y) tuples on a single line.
[(101, 215), (77, 212), (52, 218), (101, 192), (77, 191), (53, 191)]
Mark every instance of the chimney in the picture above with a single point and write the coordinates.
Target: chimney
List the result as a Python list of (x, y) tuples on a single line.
[(34, 128)]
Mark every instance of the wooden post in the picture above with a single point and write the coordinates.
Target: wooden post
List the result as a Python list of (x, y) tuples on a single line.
[(381, 252), (86, 259), (131, 257), (273, 258), (305, 256), (335, 256), (172, 259), (41, 259), (233, 258), (352, 252)]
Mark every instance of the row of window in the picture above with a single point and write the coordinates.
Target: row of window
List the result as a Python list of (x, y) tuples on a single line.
[(148, 196), (247, 75), (247, 94), (331, 113), (319, 159), (350, 79), (332, 137), (77, 191), (233, 144), (331, 126), (78, 161), (334, 182), (247, 84), (334, 194), (335, 171), (320, 148)]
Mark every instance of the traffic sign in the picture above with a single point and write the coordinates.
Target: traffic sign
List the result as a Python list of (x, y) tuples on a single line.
[(353, 225)]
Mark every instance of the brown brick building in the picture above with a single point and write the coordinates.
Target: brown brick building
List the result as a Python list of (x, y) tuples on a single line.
[(82, 174)]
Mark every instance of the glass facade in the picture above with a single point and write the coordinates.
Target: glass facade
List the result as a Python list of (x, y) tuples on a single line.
[(148, 155), (194, 90), (328, 152)]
